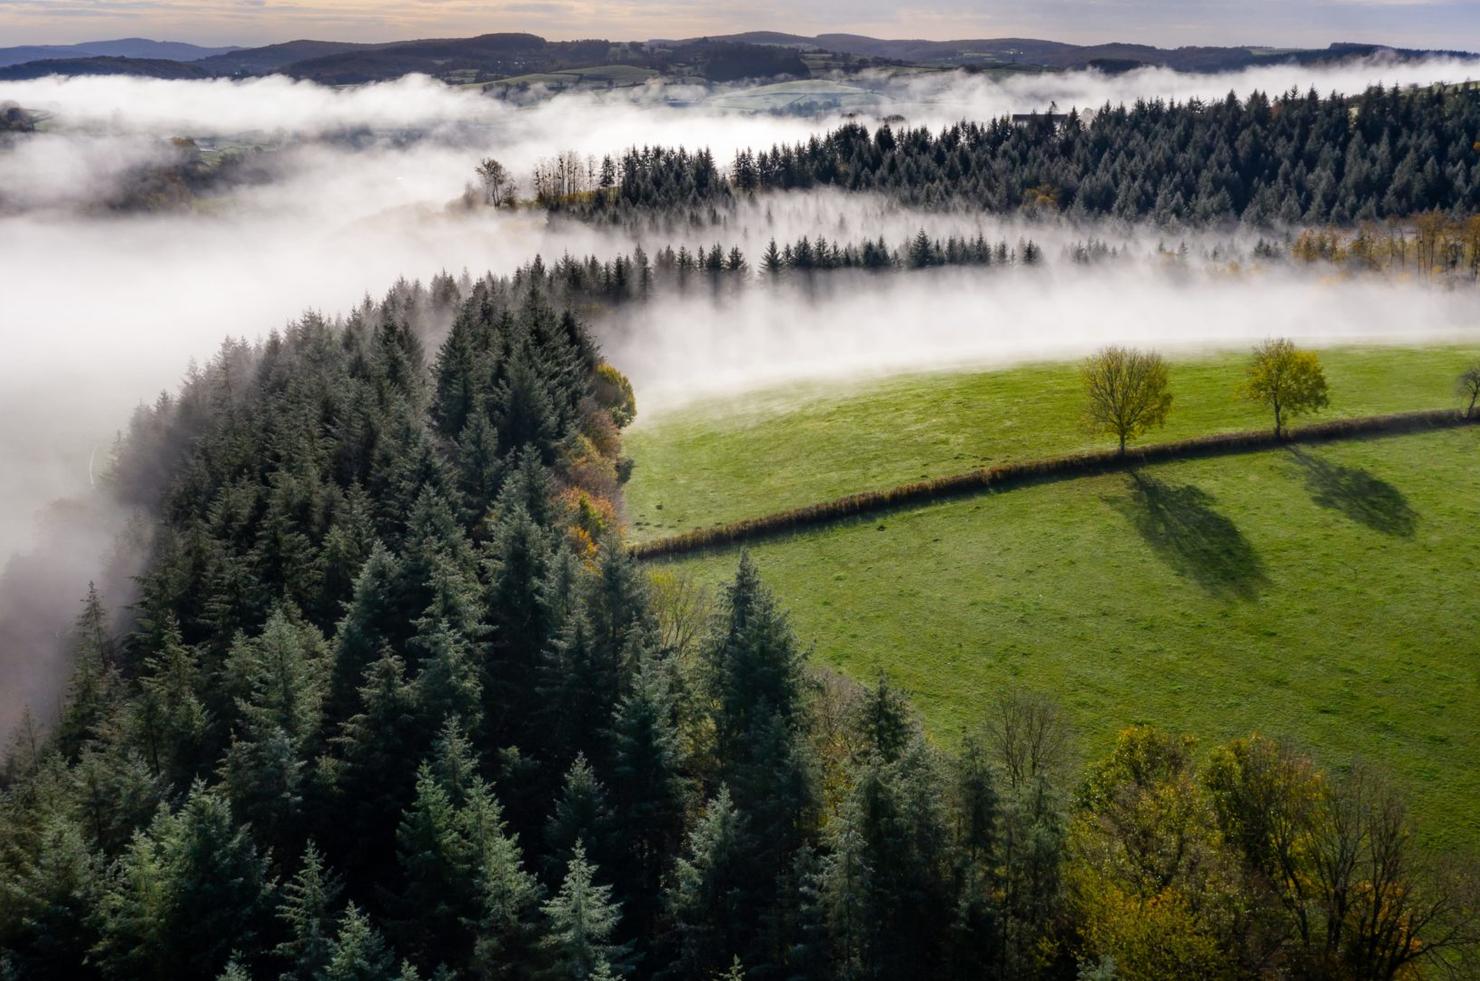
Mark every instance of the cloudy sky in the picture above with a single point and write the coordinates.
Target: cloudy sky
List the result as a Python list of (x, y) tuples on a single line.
[(1419, 23)]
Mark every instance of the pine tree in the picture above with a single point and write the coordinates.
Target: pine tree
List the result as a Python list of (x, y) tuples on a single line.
[(581, 816), (1031, 853), (753, 681), (168, 719), (458, 370), (347, 546), (517, 562), (977, 924), (887, 880), (92, 692), (47, 897), (448, 686), (186, 892), (753, 675), (771, 261), (582, 918), (465, 896), (368, 626), (279, 677), (709, 892), (359, 952), (652, 791), (883, 722), (480, 465), (309, 911), (372, 783), (523, 411)]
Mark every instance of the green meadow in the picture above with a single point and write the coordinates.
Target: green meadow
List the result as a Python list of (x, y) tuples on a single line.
[(720, 461), (1326, 595)]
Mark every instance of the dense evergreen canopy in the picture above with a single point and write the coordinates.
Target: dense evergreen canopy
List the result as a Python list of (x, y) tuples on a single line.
[(1292, 159)]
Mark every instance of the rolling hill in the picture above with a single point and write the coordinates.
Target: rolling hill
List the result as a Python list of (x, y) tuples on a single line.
[(133, 47), (757, 54), (1039, 53), (485, 58), (142, 67)]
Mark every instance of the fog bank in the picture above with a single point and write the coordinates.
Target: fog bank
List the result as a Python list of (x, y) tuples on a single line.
[(856, 325)]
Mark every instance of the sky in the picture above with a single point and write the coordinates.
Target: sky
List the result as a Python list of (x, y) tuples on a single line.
[(1311, 23)]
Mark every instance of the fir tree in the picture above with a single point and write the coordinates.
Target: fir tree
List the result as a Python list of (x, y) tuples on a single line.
[(309, 911), (582, 919)]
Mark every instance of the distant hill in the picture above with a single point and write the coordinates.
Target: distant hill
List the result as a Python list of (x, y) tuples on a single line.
[(144, 67), (1033, 52), (486, 58), (275, 57), (132, 47), (757, 54)]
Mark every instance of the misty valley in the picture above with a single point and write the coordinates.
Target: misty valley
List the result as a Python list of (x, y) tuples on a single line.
[(756, 506)]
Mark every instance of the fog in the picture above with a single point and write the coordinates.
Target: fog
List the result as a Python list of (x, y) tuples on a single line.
[(981, 97), (101, 310), (853, 325)]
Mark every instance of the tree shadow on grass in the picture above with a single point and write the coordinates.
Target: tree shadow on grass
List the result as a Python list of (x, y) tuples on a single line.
[(1356, 493), (1180, 524)]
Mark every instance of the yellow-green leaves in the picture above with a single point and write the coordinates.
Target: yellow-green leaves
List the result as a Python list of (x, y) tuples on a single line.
[(1127, 392), (1289, 381)]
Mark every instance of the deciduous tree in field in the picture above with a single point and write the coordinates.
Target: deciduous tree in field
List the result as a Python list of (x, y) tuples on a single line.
[(1289, 381), (1468, 388), (1127, 392)]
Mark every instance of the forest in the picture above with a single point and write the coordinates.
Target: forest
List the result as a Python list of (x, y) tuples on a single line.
[(1292, 159), (395, 701)]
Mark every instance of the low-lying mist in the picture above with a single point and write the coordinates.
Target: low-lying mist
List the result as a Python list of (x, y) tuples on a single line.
[(853, 325), (100, 310)]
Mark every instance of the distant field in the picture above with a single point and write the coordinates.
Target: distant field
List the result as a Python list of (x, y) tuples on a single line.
[(726, 460), (1328, 595), (781, 95), (594, 75)]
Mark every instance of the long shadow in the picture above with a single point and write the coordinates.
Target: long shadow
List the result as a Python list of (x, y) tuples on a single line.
[(1358, 494), (1181, 525)]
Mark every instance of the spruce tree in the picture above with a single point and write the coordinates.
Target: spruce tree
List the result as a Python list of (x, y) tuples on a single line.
[(279, 678), (582, 918), (709, 893), (369, 625), (582, 817), (359, 951), (650, 786), (92, 693), (309, 911), (187, 891)]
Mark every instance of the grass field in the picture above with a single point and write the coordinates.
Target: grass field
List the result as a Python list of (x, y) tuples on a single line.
[(598, 75), (726, 460), (1326, 595)]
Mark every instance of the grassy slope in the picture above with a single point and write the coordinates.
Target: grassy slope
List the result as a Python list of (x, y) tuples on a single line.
[(721, 462), (1329, 598)]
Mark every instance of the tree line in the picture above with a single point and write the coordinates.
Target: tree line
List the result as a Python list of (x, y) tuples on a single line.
[(393, 702), (1292, 159), (588, 282)]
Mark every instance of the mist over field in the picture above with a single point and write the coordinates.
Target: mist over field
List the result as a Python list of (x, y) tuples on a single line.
[(854, 326), (103, 309)]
